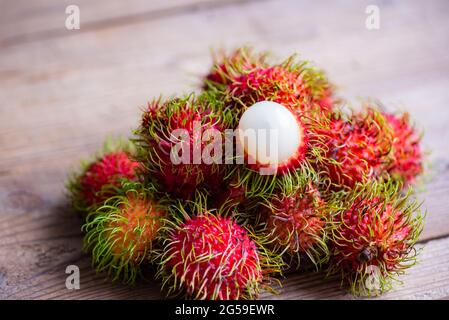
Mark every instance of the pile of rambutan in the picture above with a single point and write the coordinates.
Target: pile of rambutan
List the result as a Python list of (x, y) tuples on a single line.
[(194, 196)]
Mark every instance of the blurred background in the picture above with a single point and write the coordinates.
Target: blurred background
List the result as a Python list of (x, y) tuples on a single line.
[(63, 91)]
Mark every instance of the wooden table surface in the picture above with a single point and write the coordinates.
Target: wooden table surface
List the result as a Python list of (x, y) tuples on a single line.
[(63, 91)]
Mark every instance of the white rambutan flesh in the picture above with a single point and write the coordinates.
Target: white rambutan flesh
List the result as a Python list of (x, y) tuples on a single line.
[(269, 134)]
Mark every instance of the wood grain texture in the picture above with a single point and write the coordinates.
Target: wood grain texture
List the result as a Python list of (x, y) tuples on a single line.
[(62, 92), (24, 20)]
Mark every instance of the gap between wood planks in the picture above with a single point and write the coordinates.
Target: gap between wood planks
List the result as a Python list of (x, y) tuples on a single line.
[(135, 18)]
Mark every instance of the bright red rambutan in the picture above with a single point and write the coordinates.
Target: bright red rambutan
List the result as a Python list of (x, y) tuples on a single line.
[(247, 78), (325, 99), (172, 141), (122, 233), (225, 67), (374, 231), (99, 177), (407, 156), (108, 170), (212, 257), (296, 223), (281, 85), (357, 149), (272, 83)]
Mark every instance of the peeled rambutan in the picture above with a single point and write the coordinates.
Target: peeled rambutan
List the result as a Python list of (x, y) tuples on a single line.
[(358, 149), (98, 178), (372, 240), (407, 161), (208, 256), (289, 146), (296, 222), (122, 232), (178, 147), (276, 148)]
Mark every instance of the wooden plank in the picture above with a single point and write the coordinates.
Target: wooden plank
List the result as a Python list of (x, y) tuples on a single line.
[(62, 95), (33, 20)]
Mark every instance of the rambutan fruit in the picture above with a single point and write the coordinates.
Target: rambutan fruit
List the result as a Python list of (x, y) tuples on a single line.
[(226, 67), (280, 84), (178, 146), (275, 147), (210, 256), (374, 231), (407, 161), (290, 145), (272, 83), (358, 149), (326, 99), (231, 195), (296, 223), (122, 233), (98, 177), (249, 78)]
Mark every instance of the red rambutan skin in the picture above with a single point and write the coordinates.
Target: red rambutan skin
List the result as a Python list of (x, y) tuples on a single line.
[(359, 149), (297, 221), (107, 171), (241, 60), (230, 195), (248, 78), (214, 257), (371, 233), (326, 101), (407, 155), (180, 180), (274, 84)]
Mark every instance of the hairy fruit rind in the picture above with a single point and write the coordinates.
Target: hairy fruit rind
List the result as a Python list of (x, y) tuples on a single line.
[(99, 177), (227, 66), (122, 233), (209, 256), (375, 227), (246, 78), (358, 148), (407, 161), (296, 223), (184, 123)]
